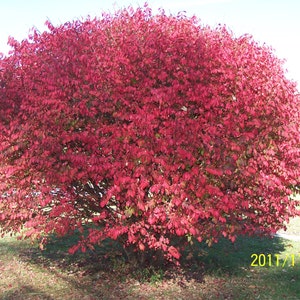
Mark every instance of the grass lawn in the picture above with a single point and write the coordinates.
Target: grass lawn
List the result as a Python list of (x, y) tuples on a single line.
[(223, 271)]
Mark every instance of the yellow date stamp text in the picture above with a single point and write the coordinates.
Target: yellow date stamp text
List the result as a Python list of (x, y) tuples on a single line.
[(274, 260)]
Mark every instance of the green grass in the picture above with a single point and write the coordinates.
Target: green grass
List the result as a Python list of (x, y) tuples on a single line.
[(230, 266), (222, 271)]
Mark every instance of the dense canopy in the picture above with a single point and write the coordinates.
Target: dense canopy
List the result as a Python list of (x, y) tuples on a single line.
[(146, 127)]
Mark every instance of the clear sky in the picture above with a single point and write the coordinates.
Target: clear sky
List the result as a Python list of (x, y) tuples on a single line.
[(274, 22)]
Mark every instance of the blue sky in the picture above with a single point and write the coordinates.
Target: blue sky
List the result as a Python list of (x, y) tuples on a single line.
[(274, 22)]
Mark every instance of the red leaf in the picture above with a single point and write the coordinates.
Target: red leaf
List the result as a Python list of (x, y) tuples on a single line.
[(141, 246), (174, 252), (213, 171)]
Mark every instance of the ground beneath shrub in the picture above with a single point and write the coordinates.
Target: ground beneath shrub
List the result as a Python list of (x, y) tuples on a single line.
[(221, 272)]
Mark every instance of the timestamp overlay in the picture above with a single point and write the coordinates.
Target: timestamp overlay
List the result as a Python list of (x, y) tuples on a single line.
[(274, 260)]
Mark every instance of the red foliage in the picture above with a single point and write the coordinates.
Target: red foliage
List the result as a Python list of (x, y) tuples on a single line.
[(149, 127)]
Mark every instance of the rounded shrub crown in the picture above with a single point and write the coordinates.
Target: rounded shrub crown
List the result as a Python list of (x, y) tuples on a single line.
[(149, 127)]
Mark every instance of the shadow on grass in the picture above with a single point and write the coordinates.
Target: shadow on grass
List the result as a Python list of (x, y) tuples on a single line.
[(232, 258), (222, 258), (227, 264)]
